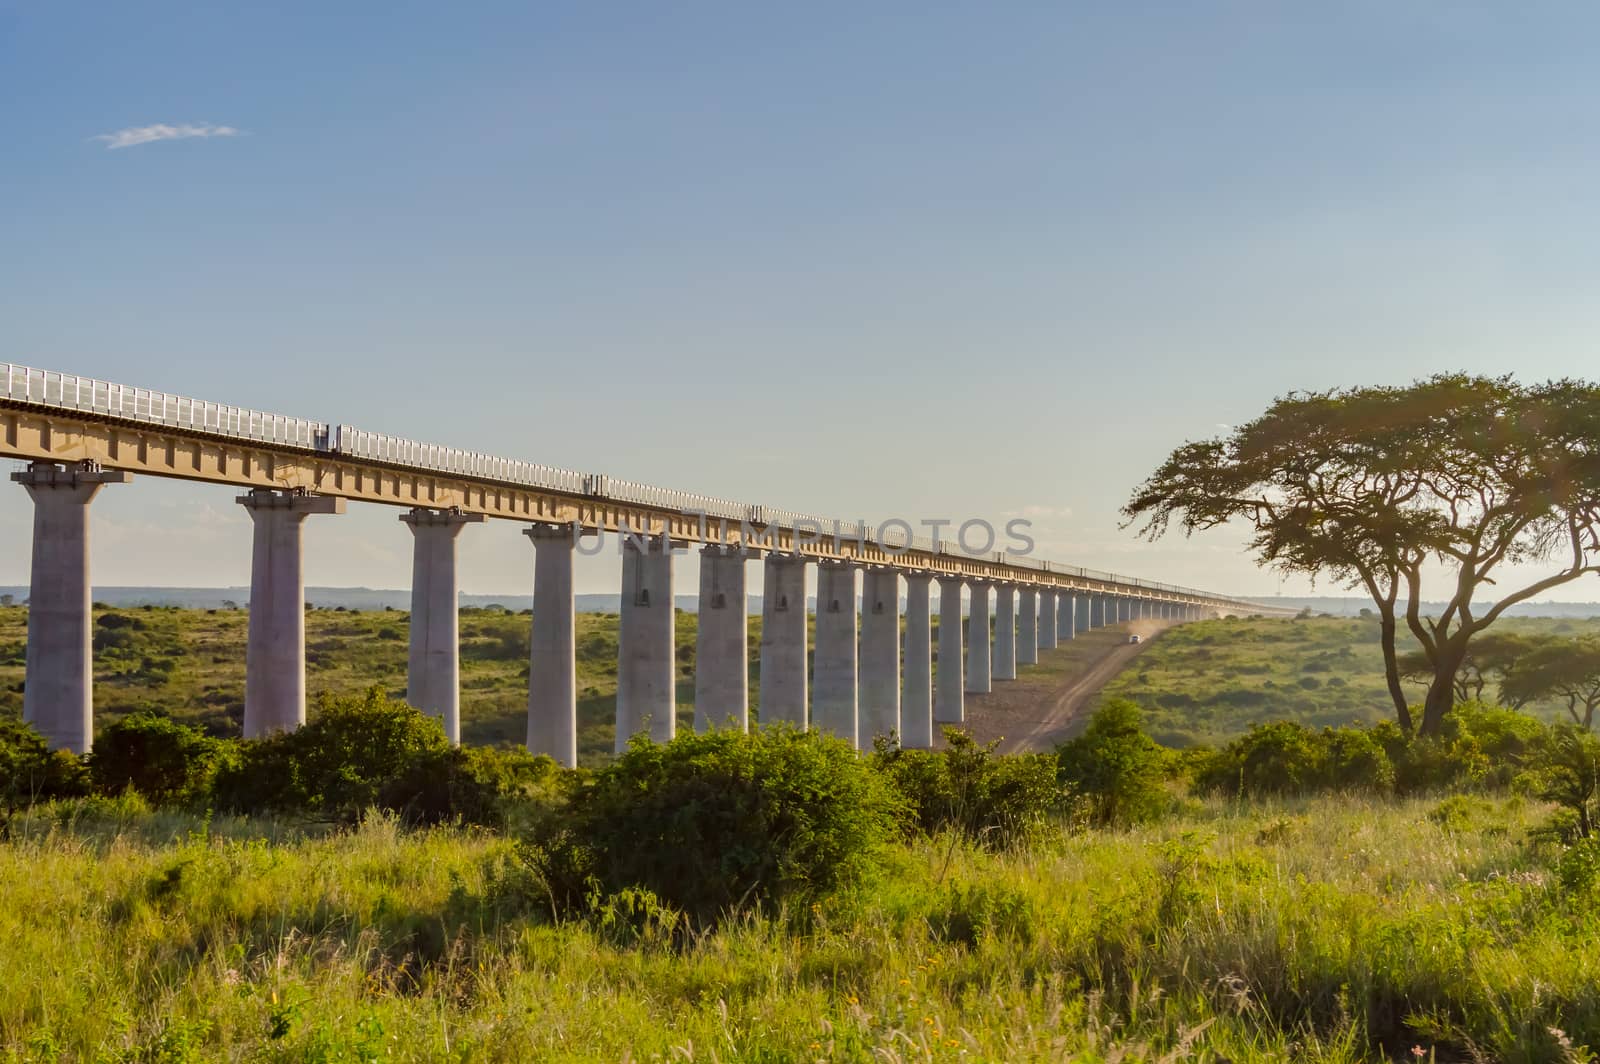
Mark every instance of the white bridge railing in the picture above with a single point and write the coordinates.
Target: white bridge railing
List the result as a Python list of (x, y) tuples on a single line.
[(26, 384)]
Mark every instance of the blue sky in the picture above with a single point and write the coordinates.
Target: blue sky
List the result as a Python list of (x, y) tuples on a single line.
[(952, 260)]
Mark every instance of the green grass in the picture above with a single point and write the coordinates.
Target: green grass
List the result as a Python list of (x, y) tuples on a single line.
[(1333, 930), (1201, 682), (190, 663), (1209, 681)]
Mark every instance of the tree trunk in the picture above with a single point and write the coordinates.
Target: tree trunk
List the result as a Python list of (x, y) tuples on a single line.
[(1391, 671), (1442, 691)]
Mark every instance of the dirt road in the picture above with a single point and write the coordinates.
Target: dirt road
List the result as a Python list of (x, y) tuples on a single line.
[(1040, 707)]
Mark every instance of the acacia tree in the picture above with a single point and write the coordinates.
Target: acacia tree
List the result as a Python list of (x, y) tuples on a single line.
[(1568, 669), (1489, 657), (1371, 486)]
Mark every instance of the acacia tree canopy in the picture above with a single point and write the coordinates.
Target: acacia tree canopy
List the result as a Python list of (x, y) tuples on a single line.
[(1568, 669), (1371, 486)]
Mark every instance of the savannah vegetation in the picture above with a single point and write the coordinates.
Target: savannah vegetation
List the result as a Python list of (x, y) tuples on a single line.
[(1297, 894)]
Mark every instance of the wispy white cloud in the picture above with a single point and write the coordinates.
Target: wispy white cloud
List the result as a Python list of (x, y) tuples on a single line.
[(135, 135)]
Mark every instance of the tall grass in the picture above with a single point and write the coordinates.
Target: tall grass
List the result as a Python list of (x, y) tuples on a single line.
[(1329, 930)]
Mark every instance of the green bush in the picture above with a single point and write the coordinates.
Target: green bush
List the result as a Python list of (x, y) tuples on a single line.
[(472, 785), (993, 800), (1355, 761), (715, 823), (1282, 757), (31, 772), (166, 762), (334, 767), (1285, 757), (1114, 769), (1566, 770)]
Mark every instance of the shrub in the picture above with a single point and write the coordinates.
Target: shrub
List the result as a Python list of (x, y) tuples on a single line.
[(472, 785), (1567, 772), (31, 772), (993, 800), (709, 824), (334, 767), (1579, 867), (1114, 769), (166, 762), (1284, 757), (1355, 761)]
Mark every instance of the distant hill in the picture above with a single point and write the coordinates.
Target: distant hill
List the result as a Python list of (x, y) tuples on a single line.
[(1351, 606)]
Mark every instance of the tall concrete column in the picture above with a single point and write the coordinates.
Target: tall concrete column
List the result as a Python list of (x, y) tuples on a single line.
[(835, 672), (949, 700), (275, 650), (979, 648), (722, 642), (1028, 627), (58, 681), (916, 698), (783, 684), (433, 664), (647, 668), (552, 648), (880, 653), (1066, 629), (1097, 615), (1005, 632), (1082, 603), (1047, 619)]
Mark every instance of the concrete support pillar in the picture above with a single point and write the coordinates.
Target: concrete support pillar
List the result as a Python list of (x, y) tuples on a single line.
[(1005, 632), (1028, 627), (783, 641), (1081, 605), (1097, 616), (58, 683), (1047, 619), (647, 669), (880, 653), (949, 704), (722, 642), (1122, 608), (835, 669), (433, 664), (275, 650), (916, 697), (1066, 626), (552, 648), (979, 652)]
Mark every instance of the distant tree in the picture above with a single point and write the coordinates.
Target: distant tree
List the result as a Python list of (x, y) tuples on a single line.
[(1568, 669), (1371, 486), (1489, 657)]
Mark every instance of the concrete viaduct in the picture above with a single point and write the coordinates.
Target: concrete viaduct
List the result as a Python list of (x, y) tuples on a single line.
[(79, 435)]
